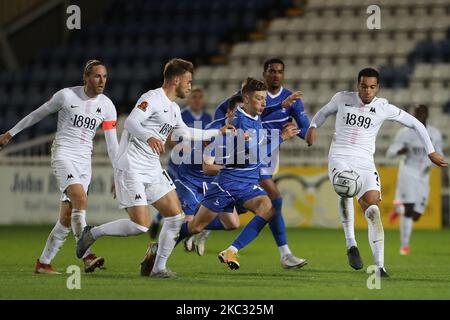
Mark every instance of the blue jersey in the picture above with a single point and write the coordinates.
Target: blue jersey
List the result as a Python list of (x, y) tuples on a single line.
[(244, 165), (274, 115), (194, 170), (189, 119)]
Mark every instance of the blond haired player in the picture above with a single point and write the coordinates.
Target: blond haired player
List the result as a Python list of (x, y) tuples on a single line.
[(81, 110), (140, 179)]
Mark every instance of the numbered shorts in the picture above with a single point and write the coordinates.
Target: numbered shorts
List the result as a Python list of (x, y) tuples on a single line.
[(413, 189), (370, 179), (134, 189), (68, 172), (225, 196)]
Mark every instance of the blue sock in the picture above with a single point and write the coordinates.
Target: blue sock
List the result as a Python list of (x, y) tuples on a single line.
[(277, 223), (216, 224), (158, 218), (184, 232), (250, 232)]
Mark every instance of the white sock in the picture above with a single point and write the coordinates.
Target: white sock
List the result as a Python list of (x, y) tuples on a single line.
[(284, 250), (78, 222), (167, 239), (118, 228), (406, 226), (376, 234), (234, 249), (347, 216), (55, 240)]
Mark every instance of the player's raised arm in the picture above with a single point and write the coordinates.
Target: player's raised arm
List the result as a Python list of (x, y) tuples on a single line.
[(53, 105), (193, 134), (411, 122), (300, 116), (319, 119)]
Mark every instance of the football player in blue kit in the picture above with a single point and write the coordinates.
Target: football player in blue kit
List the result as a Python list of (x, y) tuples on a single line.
[(282, 106), (236, 185), (194, 178)]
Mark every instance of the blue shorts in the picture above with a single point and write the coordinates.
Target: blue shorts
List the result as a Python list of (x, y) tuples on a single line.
[(190, 195), (224, 196)]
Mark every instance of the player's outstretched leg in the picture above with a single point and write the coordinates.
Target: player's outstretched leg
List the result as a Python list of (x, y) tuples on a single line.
[(262, 207), (55, 240), (347, 216), (376, 237), (278, 228)]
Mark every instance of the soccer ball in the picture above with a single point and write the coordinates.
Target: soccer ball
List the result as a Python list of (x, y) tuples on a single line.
[(347, 183)]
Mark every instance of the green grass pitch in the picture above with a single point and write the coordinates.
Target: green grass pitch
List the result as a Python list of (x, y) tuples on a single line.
[(425, 274)]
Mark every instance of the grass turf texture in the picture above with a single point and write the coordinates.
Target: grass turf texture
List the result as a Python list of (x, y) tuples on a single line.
[(425, 274)]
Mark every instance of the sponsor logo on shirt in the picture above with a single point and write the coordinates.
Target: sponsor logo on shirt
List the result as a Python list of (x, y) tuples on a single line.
[(143, 106)]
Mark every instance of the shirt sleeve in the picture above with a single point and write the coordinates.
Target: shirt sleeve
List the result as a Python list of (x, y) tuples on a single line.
[(133, 123), (52, 106), (221, 110), (403, 117), (326, 111), (438, 143), (109, 127), (300, 116)]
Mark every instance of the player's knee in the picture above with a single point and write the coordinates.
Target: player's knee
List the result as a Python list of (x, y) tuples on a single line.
[(79, 200), (373, 213), (232, 225)]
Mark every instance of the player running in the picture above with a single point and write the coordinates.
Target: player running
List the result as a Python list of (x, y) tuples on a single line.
[(194, 179), (140, 179), (359, 116), (81, 110), (194, 116), (236, 185), (283, 106), (413, 181)]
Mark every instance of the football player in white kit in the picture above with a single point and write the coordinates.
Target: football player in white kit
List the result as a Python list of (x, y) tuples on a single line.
[(81, 110), (359, 116), (413, 181), (140, 179)]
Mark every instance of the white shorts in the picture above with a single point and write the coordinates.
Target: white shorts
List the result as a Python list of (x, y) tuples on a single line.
[(135, 189), (69, 172), (370, 179), (412, 189)]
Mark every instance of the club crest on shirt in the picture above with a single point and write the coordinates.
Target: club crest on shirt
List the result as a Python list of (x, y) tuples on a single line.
[(143, 106)]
